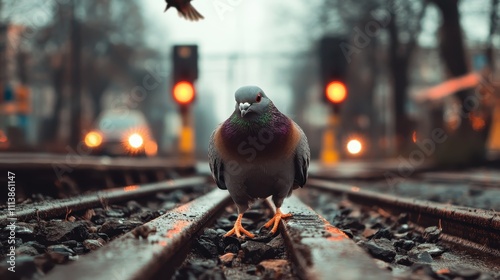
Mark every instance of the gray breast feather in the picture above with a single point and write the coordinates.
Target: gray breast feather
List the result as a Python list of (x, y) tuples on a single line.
[(302, 157)]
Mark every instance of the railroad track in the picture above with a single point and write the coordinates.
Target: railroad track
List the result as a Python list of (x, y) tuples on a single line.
[(57, 208), (484, 178), (56, 231), (476, 188), (70, 175), (468, 237), (156, 248), (469, 226), (188, 240), (318, 250)]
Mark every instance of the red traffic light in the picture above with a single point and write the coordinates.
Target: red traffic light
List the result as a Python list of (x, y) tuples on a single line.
[(336, 92), (183, 93)]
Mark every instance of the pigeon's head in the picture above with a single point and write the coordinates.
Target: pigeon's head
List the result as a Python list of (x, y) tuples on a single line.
[(251, 102)]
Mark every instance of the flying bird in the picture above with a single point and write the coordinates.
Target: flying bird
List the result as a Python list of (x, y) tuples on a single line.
[(256, 153), (186, 10)]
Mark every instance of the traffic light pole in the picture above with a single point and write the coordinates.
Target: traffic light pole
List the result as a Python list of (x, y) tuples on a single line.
[(185, 73), (186, 145), (329, 149), (333, 74)]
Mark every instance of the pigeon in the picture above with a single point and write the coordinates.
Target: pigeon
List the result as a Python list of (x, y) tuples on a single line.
[(256, 153), (186, 10)]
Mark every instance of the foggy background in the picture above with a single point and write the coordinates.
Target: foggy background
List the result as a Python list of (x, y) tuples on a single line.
[(271, 44)]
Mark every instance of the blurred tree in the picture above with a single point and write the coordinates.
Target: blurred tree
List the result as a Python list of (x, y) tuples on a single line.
[(464, 146), (111, 36), (111, 32), (494, 21), (403, 28), (51, 46), (342, 19), (364, 22), (451, 45), (3, 45)]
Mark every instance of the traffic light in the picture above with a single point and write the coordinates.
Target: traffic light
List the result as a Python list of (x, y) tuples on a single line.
[(336, 92), (183, 92), (185, 73), (333, 66)]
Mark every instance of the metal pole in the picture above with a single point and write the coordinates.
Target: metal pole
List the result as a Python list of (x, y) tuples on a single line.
[(329, 150)]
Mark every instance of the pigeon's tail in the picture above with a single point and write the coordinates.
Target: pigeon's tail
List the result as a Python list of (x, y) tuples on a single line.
[(190, 13)]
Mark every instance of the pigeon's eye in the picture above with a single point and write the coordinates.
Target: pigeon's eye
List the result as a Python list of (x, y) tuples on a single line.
[(258, 98)]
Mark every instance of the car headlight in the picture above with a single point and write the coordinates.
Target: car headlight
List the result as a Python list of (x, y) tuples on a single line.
[(354, 146), (93, 139), (135, 140)]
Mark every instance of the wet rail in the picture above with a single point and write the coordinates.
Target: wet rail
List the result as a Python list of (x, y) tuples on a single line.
[(160, 247), (56, 208), (320, 250), (317, 249), (130, 257), (472, 227), (70, 175), (484, 178)]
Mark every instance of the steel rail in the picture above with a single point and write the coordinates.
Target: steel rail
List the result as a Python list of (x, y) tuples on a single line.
[(488, 179), (48, 161), (60, 207), (130, 257), (472, 227), (318, 249), (322, 251)]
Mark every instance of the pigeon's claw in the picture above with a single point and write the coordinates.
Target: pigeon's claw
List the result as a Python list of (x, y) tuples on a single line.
[(275, 221), (238, 229)]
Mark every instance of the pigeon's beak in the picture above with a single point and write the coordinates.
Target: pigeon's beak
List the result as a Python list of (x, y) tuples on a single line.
[(244, 108)]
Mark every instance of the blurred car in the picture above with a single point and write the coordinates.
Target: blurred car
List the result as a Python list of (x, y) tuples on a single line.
[(121, 133)]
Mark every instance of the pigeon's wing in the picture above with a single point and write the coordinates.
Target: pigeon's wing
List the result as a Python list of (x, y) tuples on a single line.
[(216, 163), (301, 159)]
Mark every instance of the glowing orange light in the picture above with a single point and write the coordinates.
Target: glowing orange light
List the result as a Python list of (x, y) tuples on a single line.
[(130, 188), (3, 137), (443, 271), (450, 86), (183, 93), (151, 148), (93, 139), (414, 136), (135, 140), (477, 121), (354, 146), (336, 92)]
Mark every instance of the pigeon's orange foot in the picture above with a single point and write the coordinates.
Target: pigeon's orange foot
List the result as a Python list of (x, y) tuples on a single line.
[(238, 229), (275, 221)]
